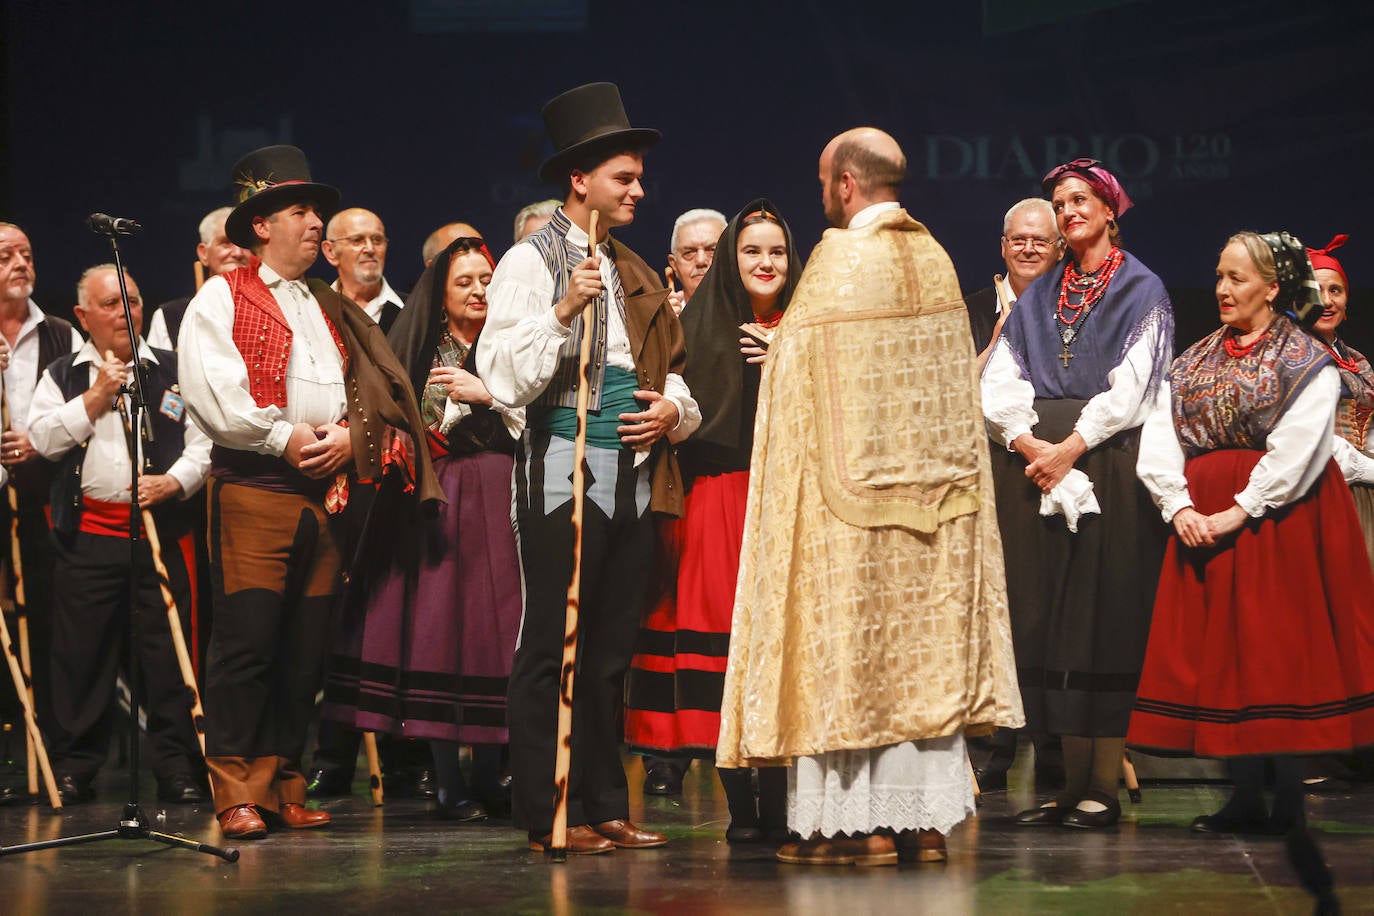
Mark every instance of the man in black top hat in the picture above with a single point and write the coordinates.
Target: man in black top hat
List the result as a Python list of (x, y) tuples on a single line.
[(544, 295), (299, 392)]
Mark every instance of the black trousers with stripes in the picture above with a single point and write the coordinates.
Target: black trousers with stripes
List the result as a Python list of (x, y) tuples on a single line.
[(617, 558)]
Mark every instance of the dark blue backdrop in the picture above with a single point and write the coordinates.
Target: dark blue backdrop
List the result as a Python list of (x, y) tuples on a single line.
[(1217, 116)]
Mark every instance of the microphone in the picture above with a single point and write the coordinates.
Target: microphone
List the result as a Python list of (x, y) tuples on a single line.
[(101, 224)]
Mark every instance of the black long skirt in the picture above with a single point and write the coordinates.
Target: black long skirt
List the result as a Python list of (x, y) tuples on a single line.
[(1080, 602)]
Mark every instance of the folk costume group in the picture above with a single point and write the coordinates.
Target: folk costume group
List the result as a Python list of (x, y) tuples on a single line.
[(826, 531)]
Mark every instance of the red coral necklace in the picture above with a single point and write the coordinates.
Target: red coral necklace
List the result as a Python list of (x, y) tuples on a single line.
[(1089, 288)]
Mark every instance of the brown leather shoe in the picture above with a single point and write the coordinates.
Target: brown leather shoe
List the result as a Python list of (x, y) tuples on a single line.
[(921, 846), (582, 841), (241, 822), (863, 850), (299, 817), (628, 836)]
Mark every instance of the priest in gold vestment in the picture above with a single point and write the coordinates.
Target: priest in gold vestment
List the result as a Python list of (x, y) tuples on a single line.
[(870, 625)]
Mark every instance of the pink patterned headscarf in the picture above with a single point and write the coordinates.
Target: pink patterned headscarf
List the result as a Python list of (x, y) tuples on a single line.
[(1103, 182)]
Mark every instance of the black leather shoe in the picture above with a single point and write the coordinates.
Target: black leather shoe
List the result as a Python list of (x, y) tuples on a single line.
[(1048, 816), (179, 790), (402, 782), (9, 795), (990, 781), (1094, 820), (427, 786), (324, 781), (663, 779), (464, 812), (739, 835), (1250, 825), (74, 791)]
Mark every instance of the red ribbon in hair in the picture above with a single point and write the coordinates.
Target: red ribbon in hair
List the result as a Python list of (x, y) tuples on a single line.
[(1321, 258)]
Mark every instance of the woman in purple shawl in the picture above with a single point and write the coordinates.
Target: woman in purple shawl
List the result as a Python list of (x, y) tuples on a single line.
[(433, 606), (1065, 391)]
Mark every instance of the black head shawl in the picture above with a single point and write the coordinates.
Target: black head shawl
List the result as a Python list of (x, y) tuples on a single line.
[(724, 385), (414, 337), (1299, 296)]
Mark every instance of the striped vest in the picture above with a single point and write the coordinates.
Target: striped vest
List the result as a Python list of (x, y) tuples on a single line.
[(560, 257)]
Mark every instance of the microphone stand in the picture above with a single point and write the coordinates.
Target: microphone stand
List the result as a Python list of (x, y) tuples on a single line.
[(133, 824)]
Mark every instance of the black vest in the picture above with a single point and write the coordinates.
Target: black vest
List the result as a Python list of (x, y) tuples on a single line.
[(168, 443)]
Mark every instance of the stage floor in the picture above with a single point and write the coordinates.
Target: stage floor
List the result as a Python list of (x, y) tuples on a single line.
[(399, 858)]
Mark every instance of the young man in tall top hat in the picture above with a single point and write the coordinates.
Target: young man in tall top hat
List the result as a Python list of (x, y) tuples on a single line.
[(302, 397), (544, 295)]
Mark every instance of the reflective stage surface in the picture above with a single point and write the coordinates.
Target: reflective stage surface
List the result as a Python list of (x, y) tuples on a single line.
[(399, 858)]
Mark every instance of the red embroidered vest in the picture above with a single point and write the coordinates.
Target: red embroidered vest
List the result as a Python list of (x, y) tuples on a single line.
[(263, 335)]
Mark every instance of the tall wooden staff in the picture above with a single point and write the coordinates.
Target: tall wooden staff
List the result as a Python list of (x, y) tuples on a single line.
[(374, 769), (36, 752), (188, 675), (562, 764), (164, 584)]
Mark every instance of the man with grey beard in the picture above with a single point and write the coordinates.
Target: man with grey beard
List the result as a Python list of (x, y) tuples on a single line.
[(34, 340), (355, 245)]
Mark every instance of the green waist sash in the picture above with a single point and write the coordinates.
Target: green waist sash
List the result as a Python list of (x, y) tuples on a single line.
[(617, 397)]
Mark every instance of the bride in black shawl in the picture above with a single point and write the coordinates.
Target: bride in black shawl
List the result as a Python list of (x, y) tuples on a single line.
[(677, 677), (436, 616)]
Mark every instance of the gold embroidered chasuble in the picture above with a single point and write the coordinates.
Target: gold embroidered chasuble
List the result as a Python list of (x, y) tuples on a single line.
[(871, 607)]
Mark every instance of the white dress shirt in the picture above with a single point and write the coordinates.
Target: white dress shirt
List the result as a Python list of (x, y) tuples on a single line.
[(58, 425), (374, 307), (214, 377), (522, 335), (1296, 451), (1009, 397), (22, 374), (158, 335)]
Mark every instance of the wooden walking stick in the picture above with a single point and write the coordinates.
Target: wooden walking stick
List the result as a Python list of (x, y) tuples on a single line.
[(164, 584), (188, 675), (21, 687), (35, 754), (558, 841), (1132, 782), (374, 768)]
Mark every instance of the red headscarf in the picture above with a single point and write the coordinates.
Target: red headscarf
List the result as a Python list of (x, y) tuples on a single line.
[(1321, 257)]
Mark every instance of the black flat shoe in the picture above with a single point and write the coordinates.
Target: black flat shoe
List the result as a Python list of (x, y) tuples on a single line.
[(1094, 820), (327, 781), (738, 835), (72, 791), (8, 795), (1249, 825), (1047, 816), (179, 790), (663, 779), (464, 812)]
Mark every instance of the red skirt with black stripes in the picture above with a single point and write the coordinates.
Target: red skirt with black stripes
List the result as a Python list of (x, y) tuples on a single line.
[(677, 675), (1263, 644)]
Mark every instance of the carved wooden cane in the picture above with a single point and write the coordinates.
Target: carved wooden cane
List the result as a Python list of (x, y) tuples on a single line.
[(164, 584), (374, 768), (558, 841), (36, 753)]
